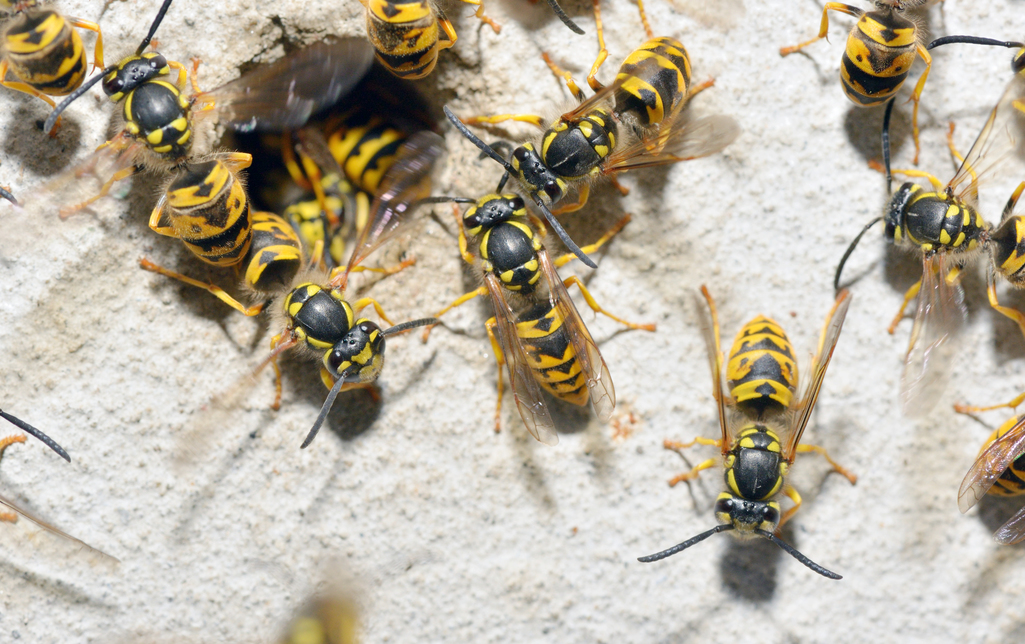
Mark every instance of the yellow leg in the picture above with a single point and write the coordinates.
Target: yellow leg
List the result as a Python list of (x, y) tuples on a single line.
[(697, 89), (533, 119), (974, 186), (917, 96), (182, 74), (704, 465), (796, 498), (623, 190), (120, 175), (338, 274), (1012, 201), (840, 469), (644, 19), (911, 294), (459, 302), (587, 250), (363, 303), (561, 73), (573, 279), (582, 194), (500, 361), (214, 290), (603, 53), (468, 257), (276, 405), (1014, 314), (921, 174), (1019, 104), (98, 47), (194, 79), (824, 26), (971, 409), (480, 15), (9, 517), (450, 34)]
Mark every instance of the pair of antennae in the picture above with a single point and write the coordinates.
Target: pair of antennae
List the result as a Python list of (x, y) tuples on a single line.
[(340, 382), (51, 120), (784, 546), (564, 18), (552, 221), (29, 429)]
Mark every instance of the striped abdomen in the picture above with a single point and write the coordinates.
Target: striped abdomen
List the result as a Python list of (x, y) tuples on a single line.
[(651, 91), (365, 147), (1007, 245), (761, 372), (879, 54), (44, 51), (1012, 481), (275, 254), (405, 36), (550, 353), (206, 207)]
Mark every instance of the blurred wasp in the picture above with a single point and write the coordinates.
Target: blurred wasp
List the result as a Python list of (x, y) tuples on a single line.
[(761, 425), (881, 48), (15, 510), (159, 119), (541, 339), (945, 226), (408, 35), (312, 311), (584, 144), (43, 52), (330, 618)]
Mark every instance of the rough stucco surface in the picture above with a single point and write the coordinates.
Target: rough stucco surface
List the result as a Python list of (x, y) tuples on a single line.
[(455, 533)]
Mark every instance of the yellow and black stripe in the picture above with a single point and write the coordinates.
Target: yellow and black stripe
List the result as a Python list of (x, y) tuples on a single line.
[(365, 146), (407, 36), (43, 51), (157, 113), (649, 92), (879, 53), (761, 371), (550, 353), (275, 254)]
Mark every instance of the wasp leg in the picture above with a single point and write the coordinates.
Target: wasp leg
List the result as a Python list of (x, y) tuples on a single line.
[(500, 361), (458, 302), (971, 409), (911, 294), (9, 517), (573, 279), (363, 303), (644, 19), (448, 30), (339, 271), (623, 190), (693, 473), (566, 76), (917, 95), (28, 89), (921, 174), (98, 47), (582, 194), (276, 405), (603, 53), (974, 186), (824, 26), (533, 119), (480, 15), (1014, 314), (796, 498), (559, 262), (464, 252), (697, 89), (213, 289), (124, 173), (839, 469)]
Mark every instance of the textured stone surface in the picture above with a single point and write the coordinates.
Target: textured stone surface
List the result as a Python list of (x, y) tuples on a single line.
[(457, 533)]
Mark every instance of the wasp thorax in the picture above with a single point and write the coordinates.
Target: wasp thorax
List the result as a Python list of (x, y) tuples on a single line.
[(359, 356), (318, 317), (536, 174), (133, 72), (745, 515), (491, 210)]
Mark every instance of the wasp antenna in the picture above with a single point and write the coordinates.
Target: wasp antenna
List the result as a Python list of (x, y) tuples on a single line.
[(6, 194), (790, 550), (444, 199), (153, 27), (51, 120), (850, 249), (322, 416), (564, 18), (723, 527), (481, 145), (561, 233), (408, 326), (972, 40), (886, 145), (46, 440)]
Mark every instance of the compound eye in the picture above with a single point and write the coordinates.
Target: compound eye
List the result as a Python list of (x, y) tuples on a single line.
[(520, 154), (553, 190), (158, 62)]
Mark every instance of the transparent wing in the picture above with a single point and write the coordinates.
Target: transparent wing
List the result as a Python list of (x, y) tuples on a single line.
[(55, 531), (527, 393), (403, 187), (286, 93), (990, 465), (678, 138), (605, 93), (1002, 134), (592, 365), (939, 318), (1013, 531), (68, 192), (800, 413), (710, 331)]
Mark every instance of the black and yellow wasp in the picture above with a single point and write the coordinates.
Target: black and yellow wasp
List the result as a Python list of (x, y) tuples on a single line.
[(944, 225), (311, 309), (158, 117), (881, 48), (999, 469), (14, 510), (537, 331), (761, 425), (43, 51), (331, 618), (408, 35), (587, 143)]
